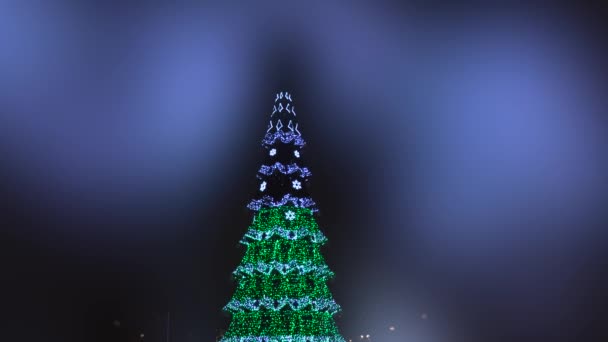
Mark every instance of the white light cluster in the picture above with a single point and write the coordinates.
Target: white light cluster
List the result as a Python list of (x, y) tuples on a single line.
[(284, 169), (284, 137), (258, 235), (296, 184), (296, 153), (273, 152), (290, 267), (300, 202), (252, 304), (263, 186), (291, 338)]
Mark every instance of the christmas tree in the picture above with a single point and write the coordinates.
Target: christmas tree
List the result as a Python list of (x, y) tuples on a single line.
[(282, 292)]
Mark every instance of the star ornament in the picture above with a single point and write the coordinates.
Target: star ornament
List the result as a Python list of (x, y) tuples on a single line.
[(296, 184), (290, 215), (263, 186)]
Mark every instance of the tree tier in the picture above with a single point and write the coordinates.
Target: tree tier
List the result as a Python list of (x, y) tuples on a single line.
[(270, 323), (285, 338), (283, 251), (286, 216), (277, 286)]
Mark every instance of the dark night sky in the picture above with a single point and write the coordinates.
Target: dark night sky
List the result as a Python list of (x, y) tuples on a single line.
[(458, 157)]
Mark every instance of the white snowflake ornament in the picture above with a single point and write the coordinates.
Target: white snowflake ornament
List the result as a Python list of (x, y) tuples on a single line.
[(290, 215), (296, 184), (263, 186), (296, 153), (273, 152)]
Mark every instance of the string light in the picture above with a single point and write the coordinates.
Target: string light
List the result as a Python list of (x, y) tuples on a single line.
[(296, 184), (273, 152)]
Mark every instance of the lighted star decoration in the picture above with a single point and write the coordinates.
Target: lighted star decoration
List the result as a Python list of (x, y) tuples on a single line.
[(290, 215), (263, 186), (273, 152), (296, 184)]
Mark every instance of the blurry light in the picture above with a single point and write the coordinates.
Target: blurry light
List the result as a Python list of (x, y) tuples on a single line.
[(367, 336), (141, 335), (362, 336), (423, 316), (391, 328), (116, 323)]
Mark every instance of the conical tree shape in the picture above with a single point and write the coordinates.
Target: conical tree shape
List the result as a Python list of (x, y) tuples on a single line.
[(282, 292)]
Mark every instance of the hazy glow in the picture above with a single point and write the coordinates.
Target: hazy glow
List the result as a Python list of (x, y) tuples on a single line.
[(457, 152)]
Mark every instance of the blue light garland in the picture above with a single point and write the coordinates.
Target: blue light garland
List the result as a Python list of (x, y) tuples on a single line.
[(284, 169), (268, 201), (284, 137)]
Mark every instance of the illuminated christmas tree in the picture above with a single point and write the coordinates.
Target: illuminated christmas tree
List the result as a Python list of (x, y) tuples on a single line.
[(282, 292)]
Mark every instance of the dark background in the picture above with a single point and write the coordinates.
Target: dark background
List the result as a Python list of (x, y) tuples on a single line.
[(458, 156)]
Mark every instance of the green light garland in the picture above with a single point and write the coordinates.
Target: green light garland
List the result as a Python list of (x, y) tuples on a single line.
[(282, 293)]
